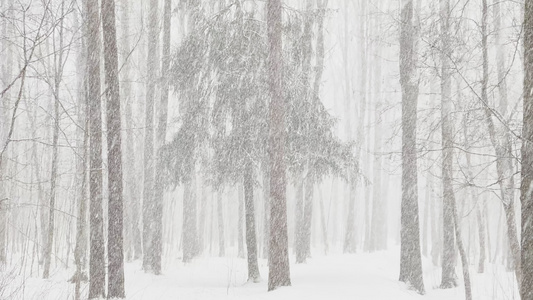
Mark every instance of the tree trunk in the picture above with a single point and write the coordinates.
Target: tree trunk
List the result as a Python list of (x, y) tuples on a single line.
[(526, 197), (299, 220), (149, 157), (379, 205), (132, 234), (350, 236), (462, 253), (82, 132), (251, 240), (240, 220), (410, 258), (115, 240), (220, 218), (279, 269), (448, 279), (307, 215), (97, 264), (266, 206), (190, 242), (58, 66), (157, 220)]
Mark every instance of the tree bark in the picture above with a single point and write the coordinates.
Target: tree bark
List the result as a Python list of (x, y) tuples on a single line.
[(448, 279), (220, 218), (410, 258), (149, 157), (251, 240), (279, 269), (58, 66), (240, 220), (115, 240), (97, 264), (190, 241), (526, 188), (379, 205), (157, 220)]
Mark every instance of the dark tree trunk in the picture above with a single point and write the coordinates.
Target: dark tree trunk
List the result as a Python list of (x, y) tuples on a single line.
[(115, 244), (279, 269), (251, 240), (526, 196), (410, 258), (96, 255)]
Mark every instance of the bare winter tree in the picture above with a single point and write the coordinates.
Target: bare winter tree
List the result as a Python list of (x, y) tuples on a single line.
[(149, 157), (157, 239), (279, 270), (526, 196), (115, 244), (97, 248), (410, 258), (448, 279)]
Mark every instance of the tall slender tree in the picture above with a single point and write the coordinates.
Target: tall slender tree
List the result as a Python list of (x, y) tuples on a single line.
[(526, 196), (448, 278), (97, 248), (115, 240), (279, 270), (410, 257), (148, 189), (58, 75), (157, 239)]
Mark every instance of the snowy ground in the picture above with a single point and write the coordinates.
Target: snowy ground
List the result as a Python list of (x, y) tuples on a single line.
[(357, 276)]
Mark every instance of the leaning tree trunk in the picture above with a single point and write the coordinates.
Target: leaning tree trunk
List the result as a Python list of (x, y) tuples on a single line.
[(410, 257), (279, 269), (115, 239), (526, 195), (96, 255)]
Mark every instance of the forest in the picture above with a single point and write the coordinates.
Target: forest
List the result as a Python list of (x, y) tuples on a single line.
[(266, 149)]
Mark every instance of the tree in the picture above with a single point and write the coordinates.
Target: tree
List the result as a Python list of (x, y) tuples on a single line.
[(149, 160), (279, 269), (410, 258), (132, 232), (58, 70), (157, 218), (96, 255), (448, 279), (115, 241), (526, 197), (499, 135)]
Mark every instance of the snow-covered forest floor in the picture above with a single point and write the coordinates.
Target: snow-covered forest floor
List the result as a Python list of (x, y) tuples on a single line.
[(336, 276)]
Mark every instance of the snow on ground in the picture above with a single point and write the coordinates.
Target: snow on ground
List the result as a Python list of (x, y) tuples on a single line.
[(338, 276)]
